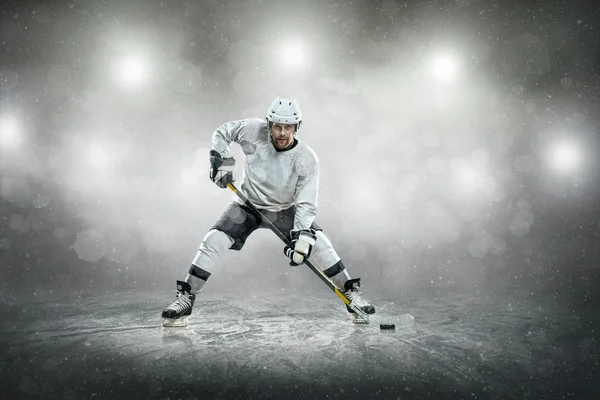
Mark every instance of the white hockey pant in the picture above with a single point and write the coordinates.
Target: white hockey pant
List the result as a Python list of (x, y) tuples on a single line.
[(216, 242)]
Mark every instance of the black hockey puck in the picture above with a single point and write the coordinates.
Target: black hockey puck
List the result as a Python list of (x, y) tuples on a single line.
[(387, 327)]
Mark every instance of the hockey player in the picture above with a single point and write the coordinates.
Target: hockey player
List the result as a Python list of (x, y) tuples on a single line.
[(281, 178)]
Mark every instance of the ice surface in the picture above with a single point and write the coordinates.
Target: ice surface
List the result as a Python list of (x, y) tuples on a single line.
[(277, 346), (403, 322)]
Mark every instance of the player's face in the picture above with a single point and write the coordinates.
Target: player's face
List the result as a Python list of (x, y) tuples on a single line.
[(283, 135)]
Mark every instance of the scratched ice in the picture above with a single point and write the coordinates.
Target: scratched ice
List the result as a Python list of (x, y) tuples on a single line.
[(116, 345)]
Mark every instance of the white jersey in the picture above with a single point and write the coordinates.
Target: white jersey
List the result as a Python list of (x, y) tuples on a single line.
[(273, 180)]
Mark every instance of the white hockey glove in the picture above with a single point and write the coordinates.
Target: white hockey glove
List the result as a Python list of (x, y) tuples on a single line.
[(303, 241), (222, 170)]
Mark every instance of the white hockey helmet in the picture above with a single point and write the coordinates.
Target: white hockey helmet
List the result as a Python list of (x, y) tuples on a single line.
[(284, 111)]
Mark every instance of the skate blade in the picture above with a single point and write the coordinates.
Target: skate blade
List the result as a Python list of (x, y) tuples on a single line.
[(358, 320), (175, 322)]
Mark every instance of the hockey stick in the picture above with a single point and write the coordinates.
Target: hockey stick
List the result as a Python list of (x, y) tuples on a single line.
[(364, 316)]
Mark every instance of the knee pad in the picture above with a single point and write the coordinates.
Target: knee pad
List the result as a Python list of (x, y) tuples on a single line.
[(213, 245)]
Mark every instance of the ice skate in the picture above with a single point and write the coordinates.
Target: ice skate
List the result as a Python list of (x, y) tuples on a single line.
[(353, 293), (177, 313)]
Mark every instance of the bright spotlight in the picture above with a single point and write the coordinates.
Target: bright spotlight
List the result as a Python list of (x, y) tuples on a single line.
[(97, 157), (565, 156), (132, 70), (466, 176), (10, 137), (444, 66), (293, 55)]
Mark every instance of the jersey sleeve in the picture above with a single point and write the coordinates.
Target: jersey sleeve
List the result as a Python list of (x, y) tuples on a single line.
[(229, 132), (307, 191)]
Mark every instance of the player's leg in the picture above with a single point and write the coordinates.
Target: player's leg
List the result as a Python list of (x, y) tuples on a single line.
[(212, 247), (229, 232), (326, 258)]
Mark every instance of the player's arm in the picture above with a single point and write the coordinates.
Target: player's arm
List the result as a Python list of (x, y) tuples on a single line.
[(229, 132), (307, 192), (222, 166), (302, 236)]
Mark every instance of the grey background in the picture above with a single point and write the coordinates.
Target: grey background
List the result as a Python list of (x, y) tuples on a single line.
[(441, 195), (387, 133)]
